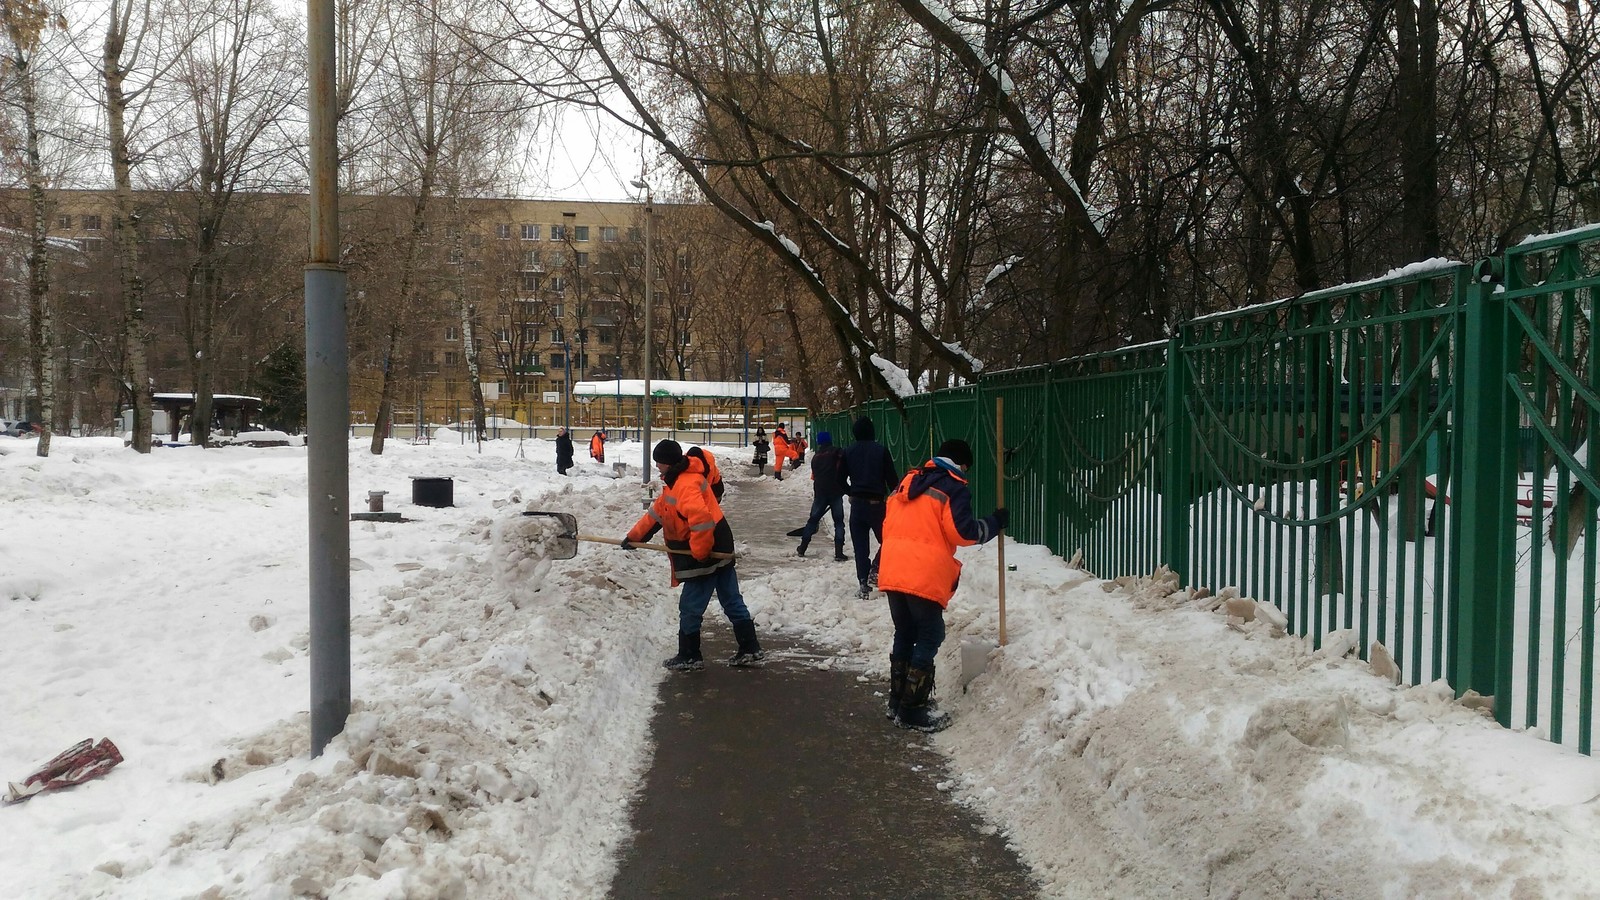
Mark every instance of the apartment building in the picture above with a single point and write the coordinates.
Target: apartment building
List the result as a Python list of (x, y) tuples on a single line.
[(542, 293)]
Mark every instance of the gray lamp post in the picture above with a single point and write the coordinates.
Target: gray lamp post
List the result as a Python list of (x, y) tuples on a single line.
[(566, 349), (649, 277)]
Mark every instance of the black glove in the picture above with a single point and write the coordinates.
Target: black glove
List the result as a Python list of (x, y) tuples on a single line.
[(1002, 518), (626, 544)]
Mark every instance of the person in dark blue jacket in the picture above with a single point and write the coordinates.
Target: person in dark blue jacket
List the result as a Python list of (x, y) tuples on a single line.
[(870, 476)]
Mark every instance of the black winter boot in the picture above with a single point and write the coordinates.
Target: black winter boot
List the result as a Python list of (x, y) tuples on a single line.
[(801, 551), (749, 654), (916, 711), (838, 553), (897, 685), (688, 658)]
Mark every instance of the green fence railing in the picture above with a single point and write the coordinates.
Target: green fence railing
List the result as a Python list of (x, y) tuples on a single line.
[(1405, 458)]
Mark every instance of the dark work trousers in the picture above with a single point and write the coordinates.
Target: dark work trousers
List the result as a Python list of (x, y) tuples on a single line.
[(866, 518), (918, 629), (819, 506)]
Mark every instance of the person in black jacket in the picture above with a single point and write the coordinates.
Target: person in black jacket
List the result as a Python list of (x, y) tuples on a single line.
[(871, 475), (827, 486), (563, 451)]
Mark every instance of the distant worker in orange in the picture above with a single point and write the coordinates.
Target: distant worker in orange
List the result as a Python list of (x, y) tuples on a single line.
[(781, 450), (926, 518), (713, 474), (597, 446)]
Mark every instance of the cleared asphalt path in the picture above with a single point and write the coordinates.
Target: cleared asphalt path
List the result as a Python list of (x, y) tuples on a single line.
[(788, 781)]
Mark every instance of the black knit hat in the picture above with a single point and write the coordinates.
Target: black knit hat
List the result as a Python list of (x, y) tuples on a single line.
[(669, 452), (957, 451)]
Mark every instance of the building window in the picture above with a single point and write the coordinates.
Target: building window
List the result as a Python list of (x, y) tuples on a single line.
[(558, 335), (451, 333), (93, 245), (502, 335), (580, 232), (583, 336), (63, 221), (558, 310), (558, 360), (685, 336), (635, 235), (533, 262), (606, 335), (503, 232), (91, 223), (529, 360), (608, 234), (530, 232), (530, 334), (531, 281), (558, 232), (449, 357), (558, 283), (500, 387), (558, 259), (455, 256), (583, 259)]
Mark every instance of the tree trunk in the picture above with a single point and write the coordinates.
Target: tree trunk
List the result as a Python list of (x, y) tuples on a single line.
[(41, 327), (126, 241)]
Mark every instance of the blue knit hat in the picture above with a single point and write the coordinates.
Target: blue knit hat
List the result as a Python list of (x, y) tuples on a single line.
[(824, 438)]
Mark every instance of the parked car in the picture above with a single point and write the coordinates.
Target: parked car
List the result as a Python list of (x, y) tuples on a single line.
[(16, 429)]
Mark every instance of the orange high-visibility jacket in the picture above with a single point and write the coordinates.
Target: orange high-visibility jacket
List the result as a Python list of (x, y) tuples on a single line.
[(782, 447), (925, 519), (689, 518), (597, 446), (713, 473)]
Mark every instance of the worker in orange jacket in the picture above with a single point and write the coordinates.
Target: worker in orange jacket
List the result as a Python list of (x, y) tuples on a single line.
[(687, 514), (781, 450), (713, 474), (597, 446), (926, 518)]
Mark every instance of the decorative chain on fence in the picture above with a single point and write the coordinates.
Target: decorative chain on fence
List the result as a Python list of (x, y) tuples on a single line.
[(1406, 459)]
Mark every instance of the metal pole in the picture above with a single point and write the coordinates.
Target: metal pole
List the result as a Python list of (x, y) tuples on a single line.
[(649, 330), (745, 439), (327, 400), (568, 350)]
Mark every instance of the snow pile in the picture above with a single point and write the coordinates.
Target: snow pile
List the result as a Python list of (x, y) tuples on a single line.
[(1133, 738)]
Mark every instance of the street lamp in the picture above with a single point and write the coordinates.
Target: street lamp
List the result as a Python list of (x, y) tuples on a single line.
[(649, 276), (567, 350)]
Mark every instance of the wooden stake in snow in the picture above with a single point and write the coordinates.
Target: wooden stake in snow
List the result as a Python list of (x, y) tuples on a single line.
[(1000, 499)]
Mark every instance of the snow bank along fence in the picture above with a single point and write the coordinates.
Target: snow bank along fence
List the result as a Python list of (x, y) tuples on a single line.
[(1406, 458)]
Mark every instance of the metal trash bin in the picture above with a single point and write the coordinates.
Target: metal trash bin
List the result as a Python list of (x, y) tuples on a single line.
[(435, 492)]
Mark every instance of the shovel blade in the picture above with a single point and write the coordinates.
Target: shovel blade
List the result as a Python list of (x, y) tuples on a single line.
[(564, 543)]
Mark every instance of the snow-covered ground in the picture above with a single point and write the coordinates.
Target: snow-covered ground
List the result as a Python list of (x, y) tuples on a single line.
[(1128, 741)]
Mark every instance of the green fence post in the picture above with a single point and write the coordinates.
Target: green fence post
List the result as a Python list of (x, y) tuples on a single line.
[(1177, 477), (1485, 565)]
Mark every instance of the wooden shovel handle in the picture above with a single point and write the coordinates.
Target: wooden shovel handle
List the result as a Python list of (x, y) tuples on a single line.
[(659, 548)]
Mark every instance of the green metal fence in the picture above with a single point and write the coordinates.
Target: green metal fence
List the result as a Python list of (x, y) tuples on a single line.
[(1405, 458)]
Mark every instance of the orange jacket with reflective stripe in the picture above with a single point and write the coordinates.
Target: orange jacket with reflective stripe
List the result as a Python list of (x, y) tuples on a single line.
[(688, 516), (782, 447), (925, 519), (713, 474), (597, 445)]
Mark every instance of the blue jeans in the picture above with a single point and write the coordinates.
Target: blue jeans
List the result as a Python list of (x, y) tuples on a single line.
[(696, 597), (820, 505), (918, 629), (866, 518)]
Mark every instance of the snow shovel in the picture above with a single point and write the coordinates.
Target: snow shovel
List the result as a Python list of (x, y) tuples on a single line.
[(974, 650), (564, 545)]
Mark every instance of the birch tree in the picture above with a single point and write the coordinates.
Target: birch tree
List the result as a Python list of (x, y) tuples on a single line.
[(25, 23)]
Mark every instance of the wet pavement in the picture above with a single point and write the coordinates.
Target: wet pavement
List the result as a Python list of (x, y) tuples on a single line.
[(788, 781)]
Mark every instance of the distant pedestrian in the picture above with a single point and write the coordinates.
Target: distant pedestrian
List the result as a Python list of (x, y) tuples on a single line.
[(759, 460), (689, 518), (872, 476), (800, 446), (597, 446), (563, 451), (781, 450), (827, 486), (928, 516)]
